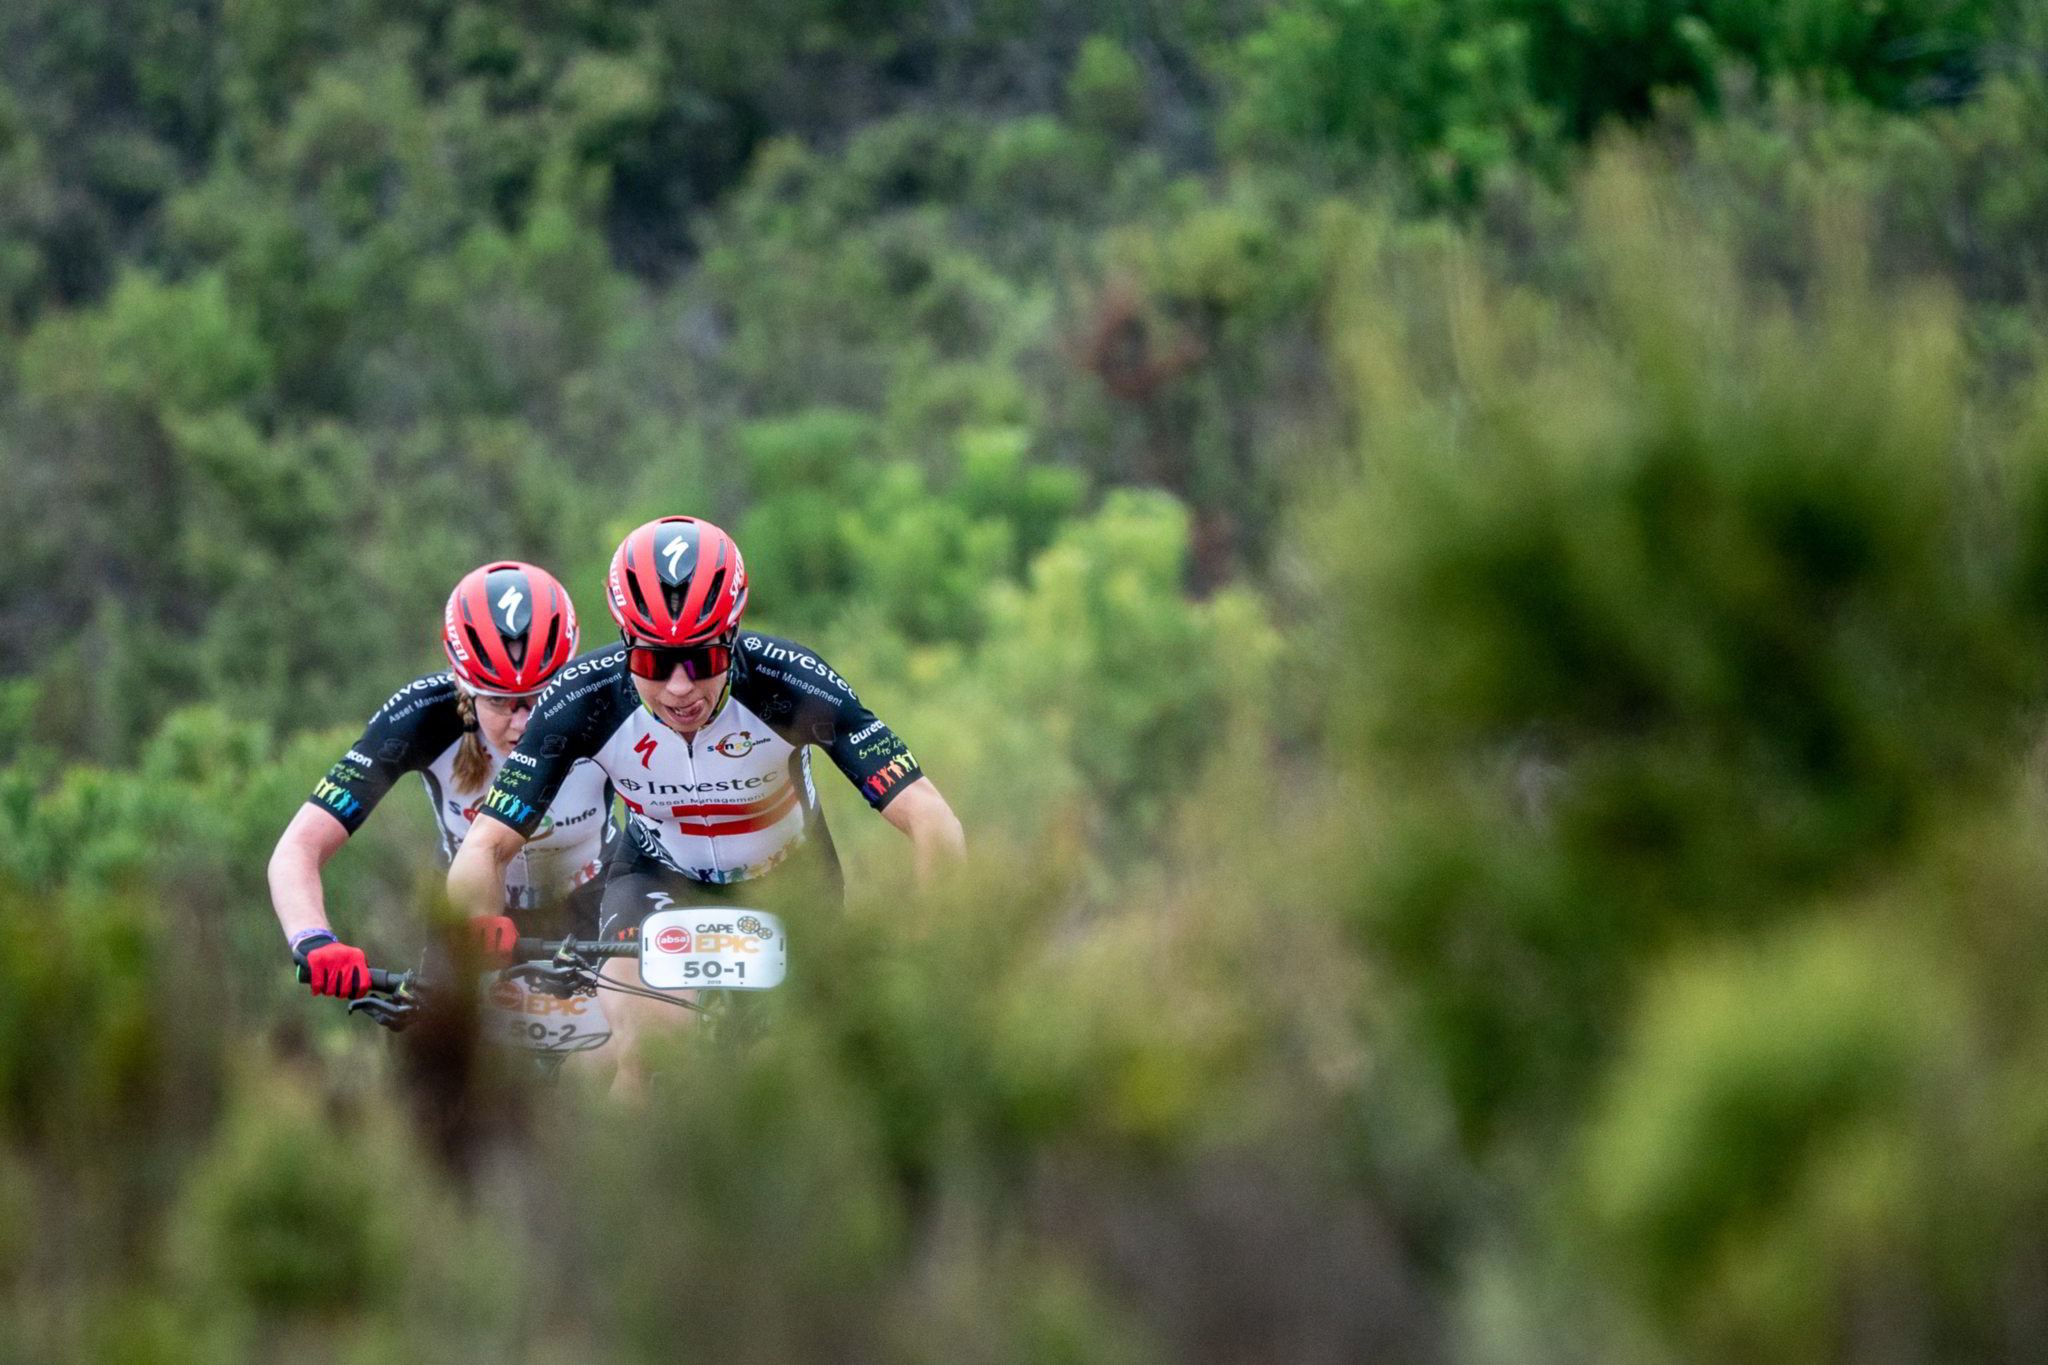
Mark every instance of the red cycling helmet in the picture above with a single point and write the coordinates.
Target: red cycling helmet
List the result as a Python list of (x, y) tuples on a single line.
[(677, 581), (507, 628)]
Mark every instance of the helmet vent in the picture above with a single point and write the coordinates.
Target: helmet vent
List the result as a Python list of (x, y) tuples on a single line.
[(554, 638), (477, 651)]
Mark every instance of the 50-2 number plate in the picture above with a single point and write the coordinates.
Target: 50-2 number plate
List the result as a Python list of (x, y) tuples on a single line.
[(517, 1017)]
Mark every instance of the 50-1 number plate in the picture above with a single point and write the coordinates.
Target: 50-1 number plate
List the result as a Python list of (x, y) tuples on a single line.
[(728, 948)]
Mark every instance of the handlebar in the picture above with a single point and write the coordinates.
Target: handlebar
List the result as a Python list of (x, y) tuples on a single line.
[(381, 981), (393, 997), (533, 949)]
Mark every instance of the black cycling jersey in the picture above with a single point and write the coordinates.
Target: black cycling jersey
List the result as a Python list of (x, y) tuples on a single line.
[(732, 800), (418, 730)]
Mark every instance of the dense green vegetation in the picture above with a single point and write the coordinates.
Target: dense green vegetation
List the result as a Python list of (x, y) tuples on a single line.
[(1477, 571)]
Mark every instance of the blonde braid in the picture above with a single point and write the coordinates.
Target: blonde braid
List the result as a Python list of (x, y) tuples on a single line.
[(472, 761)]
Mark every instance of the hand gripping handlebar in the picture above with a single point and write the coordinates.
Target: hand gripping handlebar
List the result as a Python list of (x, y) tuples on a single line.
[(557, 967)]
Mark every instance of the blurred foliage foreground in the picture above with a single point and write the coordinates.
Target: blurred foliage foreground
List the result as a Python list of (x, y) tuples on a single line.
[(1607, 928)]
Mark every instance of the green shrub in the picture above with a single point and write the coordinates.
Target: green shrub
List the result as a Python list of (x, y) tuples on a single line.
[(1710, 586), (1448, 97)]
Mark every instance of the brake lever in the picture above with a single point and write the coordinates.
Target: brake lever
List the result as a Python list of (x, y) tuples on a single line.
[(558, 978), (392, 1014)]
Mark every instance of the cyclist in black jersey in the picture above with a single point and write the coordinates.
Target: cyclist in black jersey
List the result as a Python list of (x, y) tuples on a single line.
[(705, 731), (507, 630)]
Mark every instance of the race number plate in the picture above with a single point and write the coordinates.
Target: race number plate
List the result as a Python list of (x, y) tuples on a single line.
[(517, 1017), (724, 947)]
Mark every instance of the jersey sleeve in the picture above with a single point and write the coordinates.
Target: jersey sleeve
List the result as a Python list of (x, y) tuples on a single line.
[(408, 732), (809, 703), (570, 722), (872, 757)]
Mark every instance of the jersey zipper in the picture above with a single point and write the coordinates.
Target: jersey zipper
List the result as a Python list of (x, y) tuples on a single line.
[(690, 755)]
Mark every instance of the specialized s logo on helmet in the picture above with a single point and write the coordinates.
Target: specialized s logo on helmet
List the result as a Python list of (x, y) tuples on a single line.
[(509, 605), (672, 555)]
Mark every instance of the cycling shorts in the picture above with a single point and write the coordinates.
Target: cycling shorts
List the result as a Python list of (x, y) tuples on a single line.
[(638, 884)]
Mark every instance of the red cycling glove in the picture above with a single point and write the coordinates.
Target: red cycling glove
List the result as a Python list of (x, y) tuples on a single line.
[(333, 968), (494, 935)]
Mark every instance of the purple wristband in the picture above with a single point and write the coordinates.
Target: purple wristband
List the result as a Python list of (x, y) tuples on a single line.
[(300, 937)]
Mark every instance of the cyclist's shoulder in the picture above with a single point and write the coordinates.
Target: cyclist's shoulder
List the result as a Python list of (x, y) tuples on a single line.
[(593, 683), (419, 701), (415, 724), (769, 665), (589, 666)]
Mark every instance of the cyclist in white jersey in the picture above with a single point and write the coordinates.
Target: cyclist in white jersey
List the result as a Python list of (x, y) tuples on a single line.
[(705, 732), (507, 630)]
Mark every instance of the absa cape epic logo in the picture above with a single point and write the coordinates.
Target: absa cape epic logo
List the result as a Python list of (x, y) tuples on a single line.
[(673, 939)]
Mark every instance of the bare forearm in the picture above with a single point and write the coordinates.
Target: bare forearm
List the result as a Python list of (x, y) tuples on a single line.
[(936, 839), (476, 879), (296, 893), (937, 845)]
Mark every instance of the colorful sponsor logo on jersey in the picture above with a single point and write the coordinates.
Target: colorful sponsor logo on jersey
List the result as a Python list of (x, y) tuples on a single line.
[(336, 798), (890, 776), (503, 803), (644, 746), (736, 746), (540, 831)]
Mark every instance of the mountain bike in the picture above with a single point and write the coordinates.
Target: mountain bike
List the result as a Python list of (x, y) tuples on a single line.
[(544, 1003)]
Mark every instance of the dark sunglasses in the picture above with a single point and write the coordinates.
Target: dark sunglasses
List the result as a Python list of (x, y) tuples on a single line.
[(698, 662)]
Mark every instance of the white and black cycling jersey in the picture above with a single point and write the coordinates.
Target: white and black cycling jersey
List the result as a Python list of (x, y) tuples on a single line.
[(729, 802), (418, 730)]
